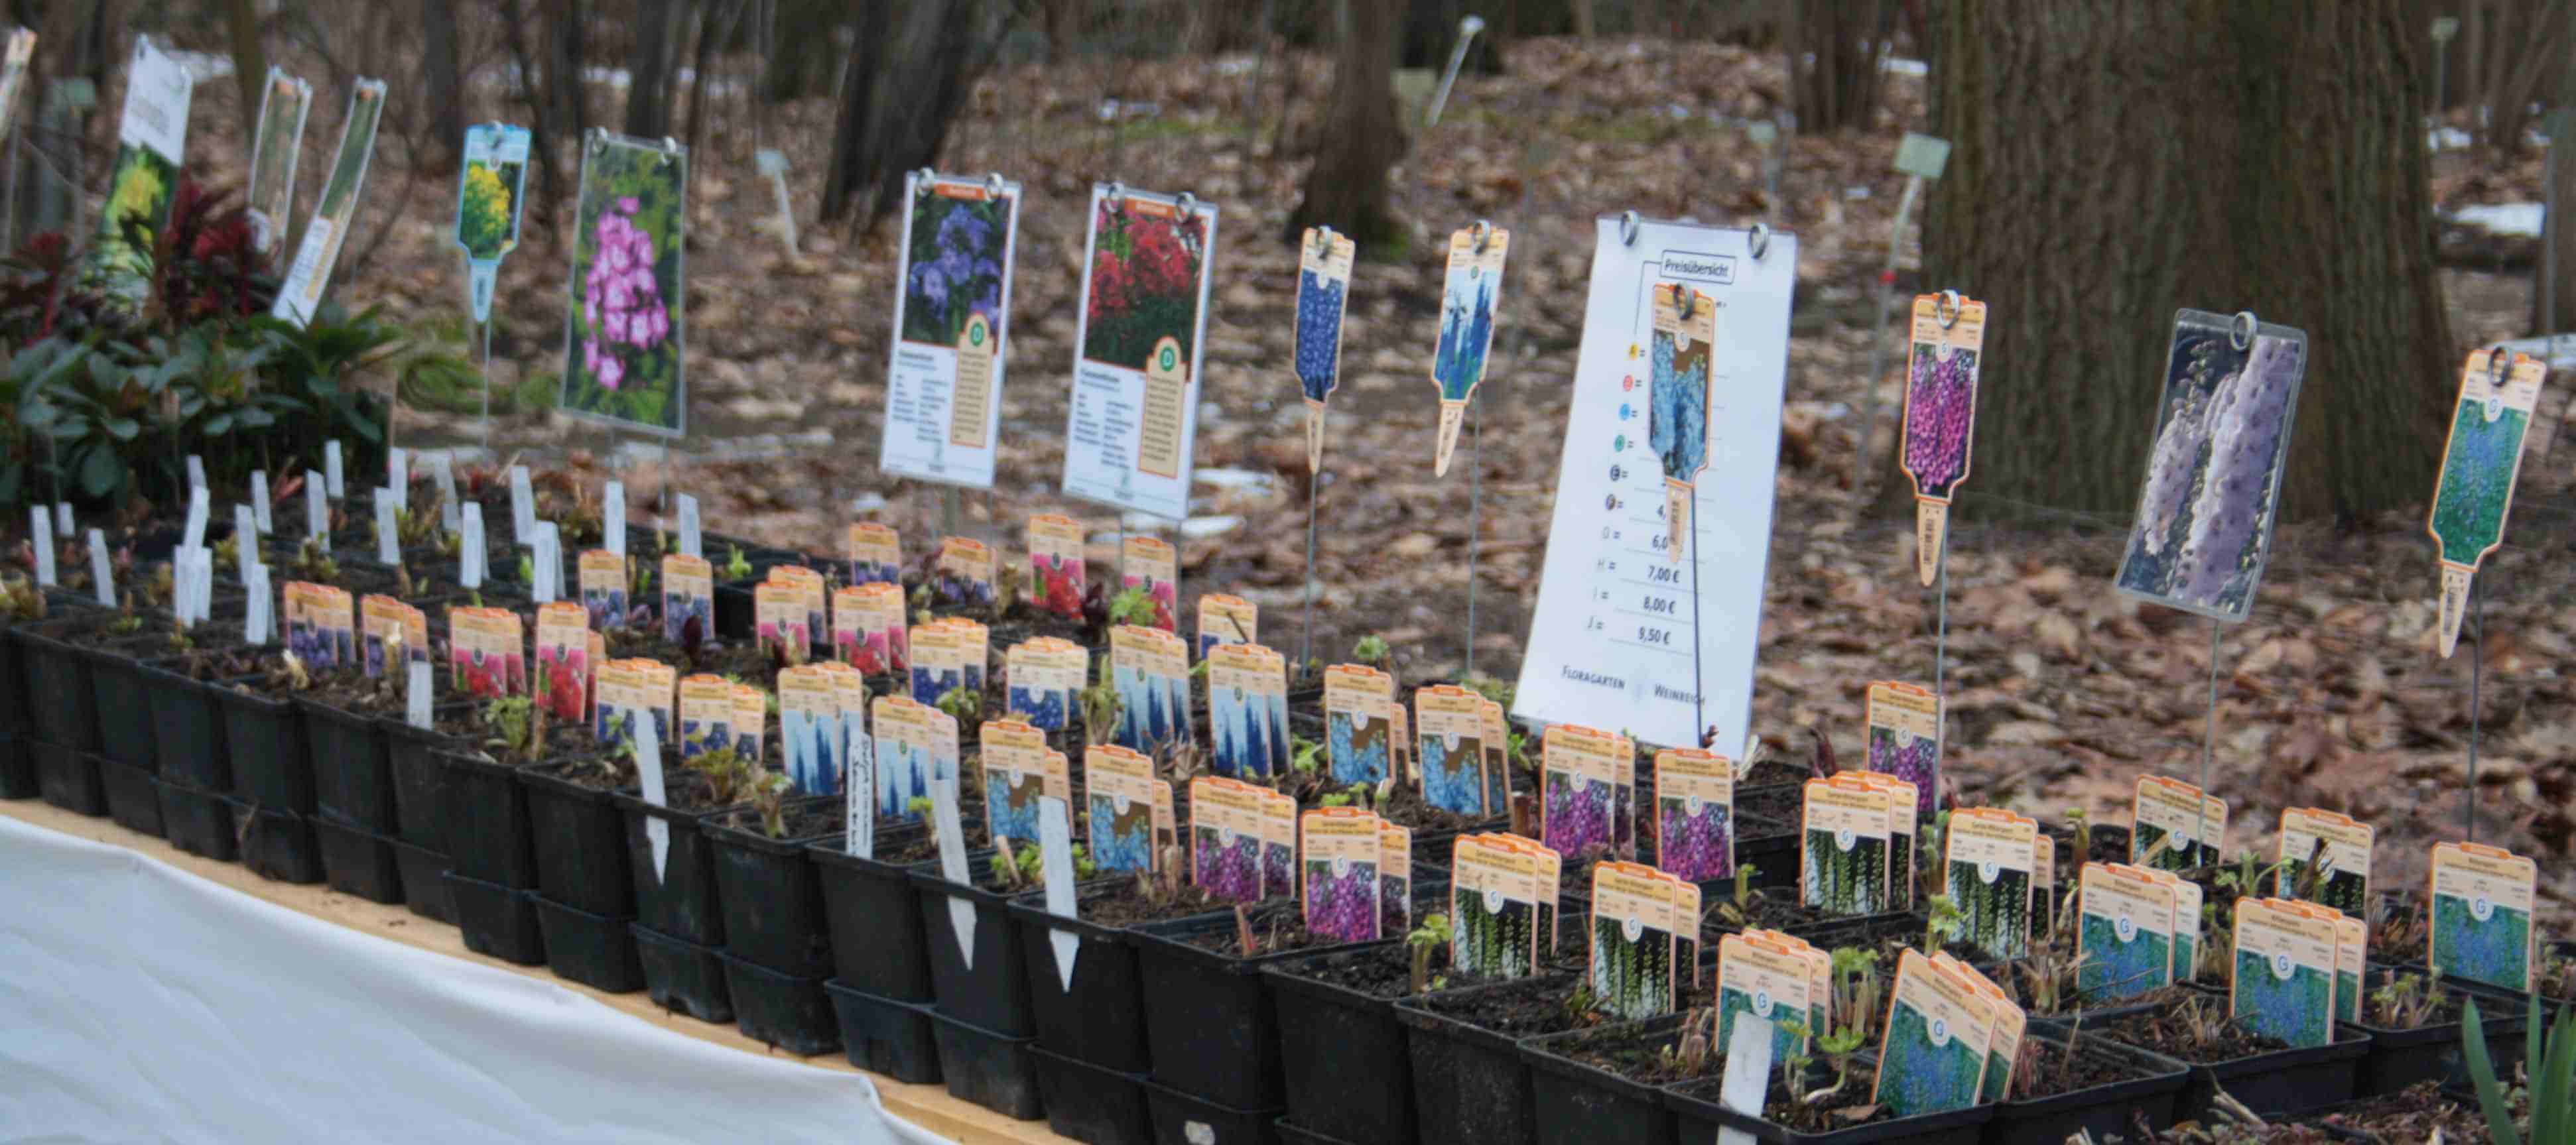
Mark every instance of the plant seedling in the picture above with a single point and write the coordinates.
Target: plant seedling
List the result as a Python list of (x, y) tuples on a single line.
[(1101, 707), (1947, 922), (1434, 934), (2405, 1002), (1131, 606), (769, 795), (1372, 650), (737, 566)]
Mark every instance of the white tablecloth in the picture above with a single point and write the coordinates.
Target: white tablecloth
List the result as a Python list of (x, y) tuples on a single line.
[(141, 1003)]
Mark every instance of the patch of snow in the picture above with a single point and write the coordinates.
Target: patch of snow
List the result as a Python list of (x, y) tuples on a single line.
[(1202, 528), (2518, 219), (203, 66), (1898, 65), (2447, 139), (1856, 193), (1234, 479), (867, 502)]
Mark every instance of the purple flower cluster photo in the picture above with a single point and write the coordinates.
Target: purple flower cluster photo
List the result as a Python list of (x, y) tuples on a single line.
[(1229, 873), (1343, 909), (621, 300), (955, 266)]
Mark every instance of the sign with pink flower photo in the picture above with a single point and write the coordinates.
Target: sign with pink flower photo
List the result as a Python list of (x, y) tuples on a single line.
[(623, 361), (944, 372), (1129, 433)]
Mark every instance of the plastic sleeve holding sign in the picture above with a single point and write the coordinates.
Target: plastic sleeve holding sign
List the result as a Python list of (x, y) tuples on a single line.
[(951, 316), (1617, 616), (328, 230), (1132, 425)]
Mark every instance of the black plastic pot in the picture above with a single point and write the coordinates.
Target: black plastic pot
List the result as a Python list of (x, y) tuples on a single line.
[(17, 766), (2400, 1058), (591, 949), (13, 694), (61, 708), (133, 796), (2102, 1110), (1697, 1116), (353, 781), (682, 975), (580, 839), (420, 783), (881, 1035), (993, 1070), (264, 739), (69, 778), (989, 990), (117, 693), (2281, 1081), (771, 898), (1343, 1064), (197, 822), (875, 921), (1210, 1028), (1574, 1101), (783, 1011), (678, 898), (1470, 1084), (1087, 1103), (488, 837), (1099, 1020), (189, 725), (276, 845), (359, 862), (424, 880), (497, 920), (1772, 850), (1180, 1119)]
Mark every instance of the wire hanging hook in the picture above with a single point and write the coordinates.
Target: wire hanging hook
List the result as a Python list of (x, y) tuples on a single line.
[(921, 181), (1758, 241), (993, 185), (2240, 330), (1484, 232), (2499, 363), (1947, 310), (1627, 228)]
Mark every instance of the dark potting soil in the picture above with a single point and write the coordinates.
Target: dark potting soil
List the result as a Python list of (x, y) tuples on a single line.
[(1852, 1105), (741, 659), (1776, 806), (2413, 1114), (1126, 904), (2047, 1070), (1772, 772), (922, 845), (2163, 1030), (799, 822), (1641, 1056), (1527, 1012), (2161, 998), (1761, 911)]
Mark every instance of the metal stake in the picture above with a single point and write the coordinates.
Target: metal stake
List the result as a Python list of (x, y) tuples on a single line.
[(2477, 668), (1306, 646), (948, 511), (1699, 686), (487, 385), (1941, 628), (2208, 744), (1475, 522)]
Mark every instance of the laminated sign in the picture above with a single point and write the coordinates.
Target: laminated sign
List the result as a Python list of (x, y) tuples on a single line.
[(944, 374), (1940, 414), (2479, 465), (625, 329), (489, 198), (1134, 415), (2222, 440), (1622, 625), (151, 142), (328, 230), (270, 203)]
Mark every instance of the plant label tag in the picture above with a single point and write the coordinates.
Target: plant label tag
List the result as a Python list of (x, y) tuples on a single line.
[(331, 467), (398, 470), (317, 511), (259, 619), (952, 862), (442, 473), (547, 562), (523, 504), (1922, 155), (692, 544), (416, 695), (201, 569), (246, 532), (196, 471), (1055, 861), (1940, 415), (859, 789), (259, 502), (648, 772), (40, 532), (102, 572), (1748, 1075), (388, 526), (1471, 298), (63, 519), (612, 518), (469, 550)]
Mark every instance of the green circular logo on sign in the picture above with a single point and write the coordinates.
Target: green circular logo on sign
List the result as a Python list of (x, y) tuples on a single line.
[(975, 334), (1169, 357)]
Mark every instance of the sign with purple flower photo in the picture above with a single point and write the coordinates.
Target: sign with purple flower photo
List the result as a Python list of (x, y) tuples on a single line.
[(623, 359), (944, 372)]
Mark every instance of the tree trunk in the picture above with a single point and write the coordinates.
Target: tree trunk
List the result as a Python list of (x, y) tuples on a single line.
[(542, 136), (909, 75), (648, 70), (250, 60), (2100, 179), (2553, 305), (1834, 52), (567, 93), (714, 31), (1346, 189), (445, 92)]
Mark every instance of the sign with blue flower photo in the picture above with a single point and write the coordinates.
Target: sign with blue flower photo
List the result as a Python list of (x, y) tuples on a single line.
[(623, 354), (944, 373), (1323, 292)]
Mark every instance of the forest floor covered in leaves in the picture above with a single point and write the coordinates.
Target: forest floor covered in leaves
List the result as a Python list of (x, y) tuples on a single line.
[(2062, 692)]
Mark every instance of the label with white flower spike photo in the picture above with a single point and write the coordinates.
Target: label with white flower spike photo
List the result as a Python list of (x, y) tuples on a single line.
[(944, 372), (1471, 295), (1678, 400), (2479, 466), (1940, 414), (1323, 292)]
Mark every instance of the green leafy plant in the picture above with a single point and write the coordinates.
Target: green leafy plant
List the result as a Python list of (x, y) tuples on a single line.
[(737, 566), (1947, 922), (1433, 935), (1305, 755), (966, 707), (769, 795), (2553, 1079), (517, 725), (1373, 651), (1131, 606), (2404, 1002), (917, 805), (730, 778), (1101, 707)]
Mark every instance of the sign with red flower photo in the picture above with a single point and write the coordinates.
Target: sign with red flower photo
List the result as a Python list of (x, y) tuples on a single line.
[(1129, 433)]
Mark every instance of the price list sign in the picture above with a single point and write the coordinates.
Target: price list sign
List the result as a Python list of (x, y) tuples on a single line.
[(1616, 633)]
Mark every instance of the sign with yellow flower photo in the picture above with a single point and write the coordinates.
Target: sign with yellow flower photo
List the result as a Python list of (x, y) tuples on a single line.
[(623, 360), (488, 203), (151, 137)]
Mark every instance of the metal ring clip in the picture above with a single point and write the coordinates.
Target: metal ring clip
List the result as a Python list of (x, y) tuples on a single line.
[(1187, 204), (1947, 310), (1758, 241), (1627, 228), (1484, 232), (921, 181), (2240, 330), (993, 184), (1324, 242), (2499, 364), (1115, 193)]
